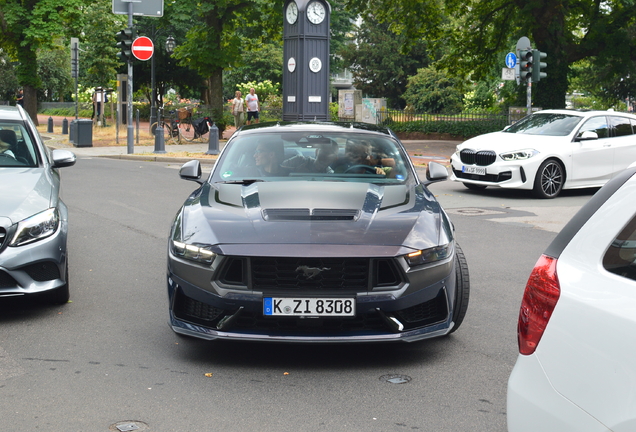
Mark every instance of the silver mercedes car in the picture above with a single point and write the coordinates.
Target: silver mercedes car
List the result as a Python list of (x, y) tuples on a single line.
[(33, 219)]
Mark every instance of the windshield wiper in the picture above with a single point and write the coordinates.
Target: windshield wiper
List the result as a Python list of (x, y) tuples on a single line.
[(245, 182)]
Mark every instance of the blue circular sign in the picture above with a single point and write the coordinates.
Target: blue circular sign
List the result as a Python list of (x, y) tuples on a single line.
[(511, 60)]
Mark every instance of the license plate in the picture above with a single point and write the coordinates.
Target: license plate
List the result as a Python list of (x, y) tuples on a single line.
[(474, 170), (310, 307)]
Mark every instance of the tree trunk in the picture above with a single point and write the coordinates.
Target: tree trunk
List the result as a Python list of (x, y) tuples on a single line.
[(28, 78), (31, 103)]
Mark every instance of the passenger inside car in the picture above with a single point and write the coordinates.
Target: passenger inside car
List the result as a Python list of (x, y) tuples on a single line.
[(326, 154), (7, 142)]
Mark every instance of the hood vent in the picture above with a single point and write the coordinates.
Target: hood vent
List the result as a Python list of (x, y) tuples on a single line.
[(310, 215)]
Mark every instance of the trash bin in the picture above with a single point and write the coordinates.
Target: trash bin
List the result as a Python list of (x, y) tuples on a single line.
[(84, 135)]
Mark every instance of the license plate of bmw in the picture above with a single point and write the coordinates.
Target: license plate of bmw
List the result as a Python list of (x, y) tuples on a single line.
[(309, 307), (474, 170)]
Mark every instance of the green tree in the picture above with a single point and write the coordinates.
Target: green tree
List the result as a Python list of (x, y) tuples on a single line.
[(264, 64), (8, 80), (29, 25), (54, 70), (433, 91), (567, 31), (380, 62)]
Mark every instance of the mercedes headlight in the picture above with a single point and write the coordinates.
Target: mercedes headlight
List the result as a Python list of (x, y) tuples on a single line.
[(36, 227), (518, 155)]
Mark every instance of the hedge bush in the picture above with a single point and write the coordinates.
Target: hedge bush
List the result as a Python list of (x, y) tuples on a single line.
[(459, 129)]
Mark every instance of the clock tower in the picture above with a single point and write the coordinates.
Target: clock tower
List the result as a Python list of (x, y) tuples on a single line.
[(306, 78)]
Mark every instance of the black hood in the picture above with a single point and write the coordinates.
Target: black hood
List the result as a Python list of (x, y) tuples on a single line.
[(285, 215)]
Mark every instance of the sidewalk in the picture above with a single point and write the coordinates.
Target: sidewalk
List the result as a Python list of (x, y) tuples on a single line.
[(420, 151)]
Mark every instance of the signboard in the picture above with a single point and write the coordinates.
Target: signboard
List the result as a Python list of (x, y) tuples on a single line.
[(508, 74), (511, 60), (140, 7), (142, 48)]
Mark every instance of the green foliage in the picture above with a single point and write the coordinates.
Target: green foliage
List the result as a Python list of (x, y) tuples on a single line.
[(262, 89), (274, 101), (380, 62), (264, 63), (433, 91), (54, 69), (333, 111), (456, 128), (8, 79)]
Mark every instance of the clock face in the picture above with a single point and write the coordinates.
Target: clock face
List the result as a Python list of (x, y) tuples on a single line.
[(292, 13), (316, 12)]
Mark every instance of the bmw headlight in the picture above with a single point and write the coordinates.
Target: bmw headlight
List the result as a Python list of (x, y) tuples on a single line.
[(427, 256), (518, 155), (36, 227), (198, 253)]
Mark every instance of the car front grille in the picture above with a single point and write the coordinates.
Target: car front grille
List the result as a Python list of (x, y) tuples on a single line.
[(429, 312), (493, 178), (3, 236), (190, 309), (481, 158)]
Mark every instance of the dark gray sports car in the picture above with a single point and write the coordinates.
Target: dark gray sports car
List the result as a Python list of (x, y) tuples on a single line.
[(315, 232)]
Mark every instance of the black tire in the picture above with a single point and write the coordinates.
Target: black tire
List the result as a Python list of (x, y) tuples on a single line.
[(462, 288), (58, 296), (166, 130), (549, 180), (186, 130), (474, 186)]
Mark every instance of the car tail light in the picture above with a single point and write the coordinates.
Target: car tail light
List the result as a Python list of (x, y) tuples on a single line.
[(539, 299)]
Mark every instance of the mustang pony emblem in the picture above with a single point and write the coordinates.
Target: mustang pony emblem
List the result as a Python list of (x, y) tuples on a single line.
[(310, 272)]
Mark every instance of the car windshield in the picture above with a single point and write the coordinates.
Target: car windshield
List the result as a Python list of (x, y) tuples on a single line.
[(315, 156), (546, 124), (16, 146)]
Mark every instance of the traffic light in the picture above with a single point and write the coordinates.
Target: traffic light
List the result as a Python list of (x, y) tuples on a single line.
[(537, 56), (125, 39), (525, 64)]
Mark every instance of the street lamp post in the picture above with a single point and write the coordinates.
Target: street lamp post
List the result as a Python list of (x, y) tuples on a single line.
[(170, 46)]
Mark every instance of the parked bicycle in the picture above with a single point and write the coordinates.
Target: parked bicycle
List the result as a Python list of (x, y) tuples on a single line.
[(170, 126)]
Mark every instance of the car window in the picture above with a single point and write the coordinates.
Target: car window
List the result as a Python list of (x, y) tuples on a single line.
[(16, 146), (595, 124), (546, 124), (312, 156), (620, 257), (621, 125)]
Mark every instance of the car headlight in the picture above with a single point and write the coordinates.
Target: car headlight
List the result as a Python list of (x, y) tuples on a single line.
[(198, 253), (36, 227), (518, 155), (427, 256)]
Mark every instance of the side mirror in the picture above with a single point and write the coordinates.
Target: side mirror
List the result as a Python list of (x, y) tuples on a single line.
[(63, 158), (191, 170), (435, 172), (587, 136)]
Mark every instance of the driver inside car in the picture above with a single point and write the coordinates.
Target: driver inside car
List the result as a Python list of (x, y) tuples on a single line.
[(358, 159)]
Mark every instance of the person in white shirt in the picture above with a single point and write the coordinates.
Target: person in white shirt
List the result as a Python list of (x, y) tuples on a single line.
[(253, 107)]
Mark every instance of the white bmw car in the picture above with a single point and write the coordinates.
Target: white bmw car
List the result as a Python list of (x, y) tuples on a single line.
[(577, 323), (549, 151)]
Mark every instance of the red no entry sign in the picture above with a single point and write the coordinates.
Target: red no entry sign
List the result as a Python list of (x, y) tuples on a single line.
[(142, 48)]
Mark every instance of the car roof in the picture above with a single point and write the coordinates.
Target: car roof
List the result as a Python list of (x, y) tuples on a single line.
[(277, 127), (585, 113), (8, 112)]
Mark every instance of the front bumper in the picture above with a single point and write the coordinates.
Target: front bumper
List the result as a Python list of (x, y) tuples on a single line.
[(405, 314), (34, 268), (535, 405), (517, 175)]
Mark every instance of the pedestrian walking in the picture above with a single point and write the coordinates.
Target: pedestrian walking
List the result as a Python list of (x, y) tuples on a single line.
[(238, 109), (253, 106)]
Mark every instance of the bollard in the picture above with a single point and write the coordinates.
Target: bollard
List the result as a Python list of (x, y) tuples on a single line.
[(49, 129), (64, 126), (160, 141), (213, 142)]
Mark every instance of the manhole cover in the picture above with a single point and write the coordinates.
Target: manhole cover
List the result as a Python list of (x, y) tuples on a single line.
[(395, 379), (129, 425), (473, 211)]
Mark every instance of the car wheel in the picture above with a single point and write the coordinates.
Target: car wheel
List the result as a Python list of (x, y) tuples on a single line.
[(462, 288), (548, 182), (474, 186), (58, 296)]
